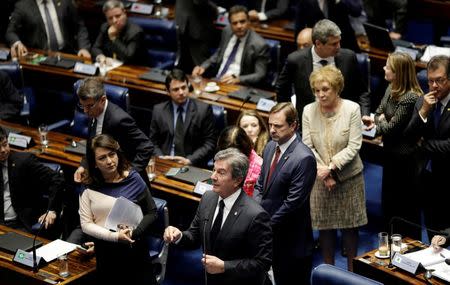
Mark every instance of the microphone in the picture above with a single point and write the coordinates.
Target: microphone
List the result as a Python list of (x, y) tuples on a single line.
[(246, 99), (205, 221), (35, 261)]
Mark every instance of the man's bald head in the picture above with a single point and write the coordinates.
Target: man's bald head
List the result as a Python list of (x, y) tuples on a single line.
[(304, 38)]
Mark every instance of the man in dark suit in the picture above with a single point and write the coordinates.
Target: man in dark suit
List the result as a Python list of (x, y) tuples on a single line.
[(119, 38), (108, 118), (11, 101), (242, 56), (23, 182), (430, 124), (326, 37), (195, 31), (262, 10), (191, 140), (283, 189), (232, 228), (29, 27)]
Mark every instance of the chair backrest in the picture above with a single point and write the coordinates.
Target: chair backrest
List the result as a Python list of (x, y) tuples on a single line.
[(14, 70), (326, 274), (158, 249), (364, 67), (423, 80), (160, 40), (220, 117), (274, 65)]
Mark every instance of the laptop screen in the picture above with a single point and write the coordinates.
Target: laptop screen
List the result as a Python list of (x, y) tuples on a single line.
[(379, 37)]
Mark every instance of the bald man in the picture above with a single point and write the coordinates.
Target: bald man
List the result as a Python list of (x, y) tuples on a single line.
[(304, 38)]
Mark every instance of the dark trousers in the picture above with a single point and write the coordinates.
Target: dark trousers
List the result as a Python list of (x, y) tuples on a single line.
[(288, 270)]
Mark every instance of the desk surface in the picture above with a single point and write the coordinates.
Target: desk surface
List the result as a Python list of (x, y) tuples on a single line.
[(79, 266), (370, 266)]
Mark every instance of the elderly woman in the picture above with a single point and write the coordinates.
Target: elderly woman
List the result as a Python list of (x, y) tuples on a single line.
[(332, 129), (236, 137), (400, 166), (122, 255), (255, 127)]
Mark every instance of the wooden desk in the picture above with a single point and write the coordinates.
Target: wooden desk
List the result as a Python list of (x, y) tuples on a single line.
[(81, 268), (370, 266)]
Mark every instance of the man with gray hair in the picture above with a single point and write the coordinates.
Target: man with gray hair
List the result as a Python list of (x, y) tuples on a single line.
[(326, 37), (232, 228), (119, 38)]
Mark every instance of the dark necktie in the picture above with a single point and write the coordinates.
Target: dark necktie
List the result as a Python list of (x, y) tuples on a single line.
[(179, 133), (437, 114), (2, 188), (217, 224), (274, 163), (51, 29), (93, 128), (323, 62), (230, 58)]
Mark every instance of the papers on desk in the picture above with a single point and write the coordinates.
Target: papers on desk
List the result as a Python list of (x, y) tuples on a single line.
[(106, 68), (430, 259), (432, 50), (124, 212), (54, 249)]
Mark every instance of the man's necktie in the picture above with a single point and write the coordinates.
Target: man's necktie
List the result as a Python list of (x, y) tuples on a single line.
[(437, 114), (274, 163), (179, 133), (217, 224), (51, 29), (323, 62), (2, 188), (93, 128), (230, 59)]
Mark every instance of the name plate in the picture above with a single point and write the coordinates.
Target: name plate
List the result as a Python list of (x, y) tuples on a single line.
[(405, 263), (20, 140), (4, 54), (141, 8), (265, 104), (202, 187), (83, 68), (25, 258)]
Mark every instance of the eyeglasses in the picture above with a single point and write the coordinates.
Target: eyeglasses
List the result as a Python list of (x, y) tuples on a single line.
[(439, 81), (87, 107)]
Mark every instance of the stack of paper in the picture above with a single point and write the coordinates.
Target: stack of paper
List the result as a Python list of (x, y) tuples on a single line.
[(432, 259)]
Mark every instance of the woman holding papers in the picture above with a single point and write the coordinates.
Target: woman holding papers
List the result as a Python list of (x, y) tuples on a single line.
[(399, 185), (332, 129), (122, 255)]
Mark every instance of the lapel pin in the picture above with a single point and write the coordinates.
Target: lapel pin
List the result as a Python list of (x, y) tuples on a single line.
[(235, 213)]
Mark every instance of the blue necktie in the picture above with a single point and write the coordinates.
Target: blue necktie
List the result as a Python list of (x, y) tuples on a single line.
[(230, 59), (437, 114), (51, 30)]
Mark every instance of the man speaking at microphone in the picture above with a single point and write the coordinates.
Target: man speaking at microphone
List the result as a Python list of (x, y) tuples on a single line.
[(233, 229), (23, 181)]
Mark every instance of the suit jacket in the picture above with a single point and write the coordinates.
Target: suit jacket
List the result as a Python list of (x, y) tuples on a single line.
[(436, 143), (128, 46), (286, 198), (195, 18), (28, 181), (200, 135), (244, 242), (298, 68), (26, 25), (11, 101), (255, 58), (309, 13), (135, 144), (273, 9)]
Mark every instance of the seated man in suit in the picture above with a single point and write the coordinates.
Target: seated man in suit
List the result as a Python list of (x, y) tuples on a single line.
[(262, 10), (47, 24), (182, 129), (326, 37), (11, 101), (232, 228), (119, 38), (242, 56), (23, 181)]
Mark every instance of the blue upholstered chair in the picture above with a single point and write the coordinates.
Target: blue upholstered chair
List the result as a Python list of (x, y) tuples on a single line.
[(423, 80), (274, 65), (364, 67), (326, 274), (158, 249), (160, 41)]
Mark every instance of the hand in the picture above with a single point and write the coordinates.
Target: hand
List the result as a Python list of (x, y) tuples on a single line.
[(229, 79), (330, 183), (78, 175), (125, 235), (429, 100), (212, 264), (395, 36), (437, 241), (171, 234), (323, 172), (253, 15), (381, 117), (49, 220), (84, 53), (90, 248), (198, 71), (369, 123), (181, 160), (18, 50), (113, 32)]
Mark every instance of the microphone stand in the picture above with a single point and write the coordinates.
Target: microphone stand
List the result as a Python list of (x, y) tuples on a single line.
[(247, 98), (204, 248), (35, 265)]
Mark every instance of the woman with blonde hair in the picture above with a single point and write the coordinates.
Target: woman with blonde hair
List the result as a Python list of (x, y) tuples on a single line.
[(400, 167), (255, 127), (332, 129)]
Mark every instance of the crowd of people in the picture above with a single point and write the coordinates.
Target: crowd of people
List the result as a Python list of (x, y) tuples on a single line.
[(273, 182)]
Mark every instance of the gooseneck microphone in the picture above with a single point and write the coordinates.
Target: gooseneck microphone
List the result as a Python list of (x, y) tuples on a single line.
[(205, 221), (35, 263), (247, 98)]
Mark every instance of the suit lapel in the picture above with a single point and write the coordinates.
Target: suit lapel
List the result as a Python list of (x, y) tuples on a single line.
[(169, 110), (309, 63), (231, 219), (444, 116), (267, 165)]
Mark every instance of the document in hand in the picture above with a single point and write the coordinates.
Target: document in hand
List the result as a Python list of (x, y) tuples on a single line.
[(431, 259), (124, 212)]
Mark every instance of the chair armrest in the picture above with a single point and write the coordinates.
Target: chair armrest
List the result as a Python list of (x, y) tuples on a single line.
[(58, 125)]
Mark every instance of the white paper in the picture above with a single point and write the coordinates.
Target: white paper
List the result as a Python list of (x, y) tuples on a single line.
[(432, 50), (106, 68), (372, 132), (124, 212), (54, 249), (428, 256)]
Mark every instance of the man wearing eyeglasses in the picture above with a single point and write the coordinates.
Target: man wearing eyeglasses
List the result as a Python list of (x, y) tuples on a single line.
[(430, 124)]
